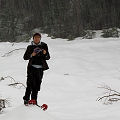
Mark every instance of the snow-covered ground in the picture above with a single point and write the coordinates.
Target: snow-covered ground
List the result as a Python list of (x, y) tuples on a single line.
[(70, 86)]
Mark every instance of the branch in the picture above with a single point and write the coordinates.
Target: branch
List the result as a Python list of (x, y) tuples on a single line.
[(109, 89), (17, 83), (112, 95), (3, 78), (6, 54), (100, 98), (12, 80)]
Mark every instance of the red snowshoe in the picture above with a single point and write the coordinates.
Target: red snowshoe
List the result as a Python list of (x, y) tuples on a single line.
[(44, 107), (34, 102)]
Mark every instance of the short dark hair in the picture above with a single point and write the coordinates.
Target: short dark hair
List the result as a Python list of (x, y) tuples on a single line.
[(36, 34)]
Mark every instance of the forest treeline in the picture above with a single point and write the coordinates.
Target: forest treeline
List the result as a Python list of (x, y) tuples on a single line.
[(58, 18)]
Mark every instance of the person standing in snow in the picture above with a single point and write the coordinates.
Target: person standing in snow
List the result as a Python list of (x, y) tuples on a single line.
[(37, 53)]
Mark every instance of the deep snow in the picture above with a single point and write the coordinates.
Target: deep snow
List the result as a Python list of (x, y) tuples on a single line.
[(70, 86)]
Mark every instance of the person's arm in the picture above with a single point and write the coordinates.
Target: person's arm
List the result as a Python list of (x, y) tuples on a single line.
[(27, 54), (46, 53)]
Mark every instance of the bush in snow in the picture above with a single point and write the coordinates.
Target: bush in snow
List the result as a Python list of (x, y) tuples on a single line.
[(2, 103), (70, 37), (24, 37), (111, 32), (89, 34)]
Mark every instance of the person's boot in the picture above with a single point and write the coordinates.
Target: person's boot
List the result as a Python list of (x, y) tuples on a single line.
[(26, 102), (34, 102)]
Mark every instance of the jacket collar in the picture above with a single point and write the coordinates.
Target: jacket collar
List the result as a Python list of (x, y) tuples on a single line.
[(32, 43)]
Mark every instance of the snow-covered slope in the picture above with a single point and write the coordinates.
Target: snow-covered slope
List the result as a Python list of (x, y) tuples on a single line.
[(27, 113), (70, 86)]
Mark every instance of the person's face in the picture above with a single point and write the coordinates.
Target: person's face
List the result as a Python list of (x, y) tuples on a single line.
[(37, 39)]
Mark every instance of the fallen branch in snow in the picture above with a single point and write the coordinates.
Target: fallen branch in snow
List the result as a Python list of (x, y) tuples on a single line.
[(17, 83), (111, 95), (13, 82), (6, 54), (3, 78)]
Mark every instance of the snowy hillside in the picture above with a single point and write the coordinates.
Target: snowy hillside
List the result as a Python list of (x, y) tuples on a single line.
[(70, 86)]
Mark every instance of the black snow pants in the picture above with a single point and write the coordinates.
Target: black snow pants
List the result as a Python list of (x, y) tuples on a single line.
[(34, 80)]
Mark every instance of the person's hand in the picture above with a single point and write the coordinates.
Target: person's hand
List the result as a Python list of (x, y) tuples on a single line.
[(36, 51), (44, 52), (34, 54)]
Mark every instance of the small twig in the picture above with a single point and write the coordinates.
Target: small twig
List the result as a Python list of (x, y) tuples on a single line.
[(3, 78), (10, 77), (100, 98), (108, 88), (16, 83), (114, 99)]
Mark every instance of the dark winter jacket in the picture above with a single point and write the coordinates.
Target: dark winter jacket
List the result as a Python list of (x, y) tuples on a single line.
[(38, 59)]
